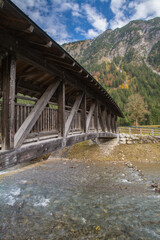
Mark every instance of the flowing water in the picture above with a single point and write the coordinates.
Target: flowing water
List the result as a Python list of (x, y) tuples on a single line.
[(75, 199)]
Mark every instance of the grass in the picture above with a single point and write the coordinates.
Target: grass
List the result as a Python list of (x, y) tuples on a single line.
[(86, 150), (151, 126), (135, 152)]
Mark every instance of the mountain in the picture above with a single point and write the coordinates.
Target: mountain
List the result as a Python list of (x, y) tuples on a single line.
[(125, 61)]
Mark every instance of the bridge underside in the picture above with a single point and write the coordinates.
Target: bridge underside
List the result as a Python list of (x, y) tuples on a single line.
[(34, 150), (48, 100)]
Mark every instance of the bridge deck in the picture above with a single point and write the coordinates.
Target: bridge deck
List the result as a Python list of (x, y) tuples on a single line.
[(37, 149)]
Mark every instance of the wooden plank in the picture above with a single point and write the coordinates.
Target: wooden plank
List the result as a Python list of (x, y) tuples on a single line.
[(61, 109), (8, 104), (89, 116), (73, 113), (35, 114), (83, 114)]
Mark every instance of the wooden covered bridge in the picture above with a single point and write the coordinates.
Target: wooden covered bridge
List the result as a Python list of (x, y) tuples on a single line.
[(48, 100)]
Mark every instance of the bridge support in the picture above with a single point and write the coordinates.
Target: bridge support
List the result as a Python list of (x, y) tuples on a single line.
[(61, 110), (8, 101), (38, 149)]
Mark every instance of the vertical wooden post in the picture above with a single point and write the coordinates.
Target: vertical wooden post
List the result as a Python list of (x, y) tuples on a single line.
[(89, 116), (96, 117), (104, 115), (114, 120), (61, 110), (101, 119), (112, 123), (115, 124), (8, 104), (83, 116), (108, 121)]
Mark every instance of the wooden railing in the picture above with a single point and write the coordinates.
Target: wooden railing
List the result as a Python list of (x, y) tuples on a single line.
[(47, 122), (140, 130)]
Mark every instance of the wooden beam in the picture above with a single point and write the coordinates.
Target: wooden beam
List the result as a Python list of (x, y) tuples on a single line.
[(83, 118), (61, 109), (30, 29), (8, 104), (89, 116), (96, 117), (62, 62), (28, 124), (115, 124), (108, 121), (112, 123), (104, 116), (36, 58), (101, 119), (49, 44), (73, 113)]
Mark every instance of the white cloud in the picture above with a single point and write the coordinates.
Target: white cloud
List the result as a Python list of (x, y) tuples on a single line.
[(97, 20), (47, 16), (91, 33), (79, 30), (146, 9), (125, 11)]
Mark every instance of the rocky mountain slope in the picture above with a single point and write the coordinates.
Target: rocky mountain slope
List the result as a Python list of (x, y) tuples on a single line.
[(125, 61)]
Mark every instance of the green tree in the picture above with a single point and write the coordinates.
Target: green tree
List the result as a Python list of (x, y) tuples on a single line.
[(136, 108)]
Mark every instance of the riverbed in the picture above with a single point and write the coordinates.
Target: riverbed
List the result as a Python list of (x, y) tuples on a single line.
[(80, 199)]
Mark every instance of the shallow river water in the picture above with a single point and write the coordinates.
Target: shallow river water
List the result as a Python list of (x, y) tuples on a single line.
[(75, 199)]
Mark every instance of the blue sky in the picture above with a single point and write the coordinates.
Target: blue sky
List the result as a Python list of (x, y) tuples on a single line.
[(72, 20)]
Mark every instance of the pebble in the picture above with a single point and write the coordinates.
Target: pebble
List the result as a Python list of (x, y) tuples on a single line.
[(154, 185)]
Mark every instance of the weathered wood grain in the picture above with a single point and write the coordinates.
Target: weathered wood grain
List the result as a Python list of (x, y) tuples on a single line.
[(27, 125), (89, 116), (73, 113), (61, 109), (8, 104)]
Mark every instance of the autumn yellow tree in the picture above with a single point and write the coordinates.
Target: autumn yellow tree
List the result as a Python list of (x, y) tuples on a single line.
[(136, 108)]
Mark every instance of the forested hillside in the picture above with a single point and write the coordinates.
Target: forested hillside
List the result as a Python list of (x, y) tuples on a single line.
[(125, 62)]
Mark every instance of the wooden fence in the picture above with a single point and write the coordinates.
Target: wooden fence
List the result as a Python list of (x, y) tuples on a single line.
[(140, 130)]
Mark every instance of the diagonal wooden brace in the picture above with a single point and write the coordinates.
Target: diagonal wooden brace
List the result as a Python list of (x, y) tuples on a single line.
[(28, 124), (90, 114), (73, 113)]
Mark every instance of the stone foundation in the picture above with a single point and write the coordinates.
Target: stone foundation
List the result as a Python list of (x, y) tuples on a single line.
[(136, 138)]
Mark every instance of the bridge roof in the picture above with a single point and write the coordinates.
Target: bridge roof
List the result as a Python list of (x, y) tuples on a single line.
[(39, 57)]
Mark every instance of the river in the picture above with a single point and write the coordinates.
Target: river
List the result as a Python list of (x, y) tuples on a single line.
[(80, 199)]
